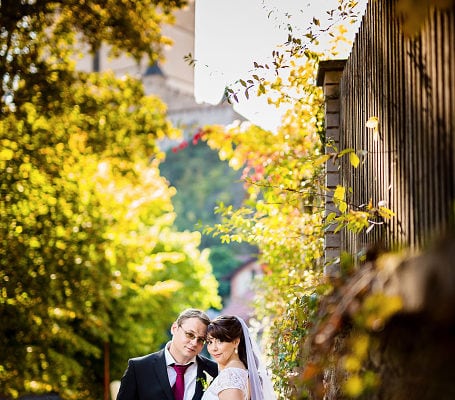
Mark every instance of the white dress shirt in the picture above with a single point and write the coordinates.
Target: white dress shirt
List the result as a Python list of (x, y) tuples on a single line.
[(190, 374)]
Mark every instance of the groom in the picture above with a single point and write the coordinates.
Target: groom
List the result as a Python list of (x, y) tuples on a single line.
[(176, 372)]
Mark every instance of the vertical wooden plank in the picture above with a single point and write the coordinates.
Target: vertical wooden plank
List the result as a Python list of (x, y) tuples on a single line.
[(422, 111), (407, 150), (437, 130), (449, 101), (395, 130)]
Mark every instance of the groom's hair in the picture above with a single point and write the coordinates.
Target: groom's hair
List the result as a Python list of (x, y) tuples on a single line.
[(193, 313)]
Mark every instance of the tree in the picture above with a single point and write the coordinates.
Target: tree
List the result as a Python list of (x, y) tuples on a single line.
[(38, 37), (201, 181), (89, 252)]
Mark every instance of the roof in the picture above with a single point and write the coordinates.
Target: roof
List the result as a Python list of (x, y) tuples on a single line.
[(154, 70)]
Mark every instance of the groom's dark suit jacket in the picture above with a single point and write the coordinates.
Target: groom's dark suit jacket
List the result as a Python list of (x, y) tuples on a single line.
[(146, 378)]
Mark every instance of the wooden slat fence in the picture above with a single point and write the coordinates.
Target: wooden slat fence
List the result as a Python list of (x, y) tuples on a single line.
[(409, 84)]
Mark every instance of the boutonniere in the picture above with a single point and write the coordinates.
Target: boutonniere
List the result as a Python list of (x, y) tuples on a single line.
[(205, 382)]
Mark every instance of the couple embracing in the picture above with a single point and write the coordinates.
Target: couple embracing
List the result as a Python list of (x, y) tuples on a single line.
[(178, 372)]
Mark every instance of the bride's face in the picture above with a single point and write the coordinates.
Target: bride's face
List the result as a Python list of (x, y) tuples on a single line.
[(222, 352)]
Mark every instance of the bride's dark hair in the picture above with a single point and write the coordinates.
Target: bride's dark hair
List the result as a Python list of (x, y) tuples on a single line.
[(227, 328)]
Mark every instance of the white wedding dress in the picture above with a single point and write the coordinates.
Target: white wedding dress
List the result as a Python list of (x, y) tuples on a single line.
[(228, 378)]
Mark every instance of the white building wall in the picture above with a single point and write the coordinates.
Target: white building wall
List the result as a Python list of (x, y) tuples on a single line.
[(176, 84)]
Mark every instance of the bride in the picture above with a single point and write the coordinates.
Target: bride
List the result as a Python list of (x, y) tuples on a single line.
[(241, 374)]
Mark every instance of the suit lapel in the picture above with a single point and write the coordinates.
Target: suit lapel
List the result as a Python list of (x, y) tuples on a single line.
[(200, 375), (201, 367), (160, 369)]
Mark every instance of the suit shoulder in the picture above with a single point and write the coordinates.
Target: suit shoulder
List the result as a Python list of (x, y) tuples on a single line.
[(206, 361), (147, 357)]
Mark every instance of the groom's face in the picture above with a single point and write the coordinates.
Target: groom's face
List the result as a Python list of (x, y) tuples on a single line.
[(187, 339)]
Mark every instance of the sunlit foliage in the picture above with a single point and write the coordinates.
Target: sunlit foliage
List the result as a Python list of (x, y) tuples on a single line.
[(284, 217), (37, 37), (89, 254), (90, 260)]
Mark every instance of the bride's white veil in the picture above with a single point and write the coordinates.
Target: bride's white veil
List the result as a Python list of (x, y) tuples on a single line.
[(261, 386)]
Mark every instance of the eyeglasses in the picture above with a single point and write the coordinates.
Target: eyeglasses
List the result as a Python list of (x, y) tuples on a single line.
[(191, 336)]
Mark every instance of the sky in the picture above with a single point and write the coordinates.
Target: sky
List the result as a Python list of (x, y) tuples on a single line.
[(231, 34)]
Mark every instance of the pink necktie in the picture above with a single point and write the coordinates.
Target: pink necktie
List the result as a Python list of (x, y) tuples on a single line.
[(179, 388)]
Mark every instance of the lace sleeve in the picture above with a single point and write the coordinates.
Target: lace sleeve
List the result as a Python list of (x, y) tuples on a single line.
[(231, 378)]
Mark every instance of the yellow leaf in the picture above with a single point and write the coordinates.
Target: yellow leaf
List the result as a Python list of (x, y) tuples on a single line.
[(321, 159), (339, 193), (354, 159), (6, 154), (331, 217), (235, 163), (343, 206), (353, 386), (338, 198), (386, 213), (352, 363)]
